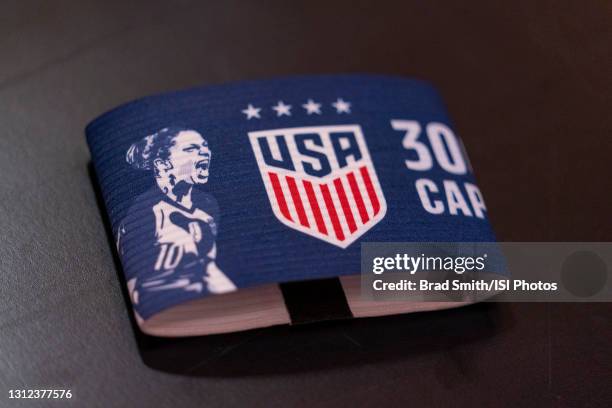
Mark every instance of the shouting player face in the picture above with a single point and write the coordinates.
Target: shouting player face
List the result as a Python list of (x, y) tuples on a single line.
[(189, 158)]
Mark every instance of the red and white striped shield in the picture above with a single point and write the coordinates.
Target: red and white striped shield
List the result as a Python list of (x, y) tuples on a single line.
[(320, 180)]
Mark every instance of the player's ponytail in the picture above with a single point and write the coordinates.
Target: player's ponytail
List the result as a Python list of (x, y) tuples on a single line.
[(139, 154)]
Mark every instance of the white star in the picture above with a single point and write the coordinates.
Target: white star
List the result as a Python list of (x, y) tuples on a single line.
[(342, 106), (282, 109), (251, 112), (312, 107)]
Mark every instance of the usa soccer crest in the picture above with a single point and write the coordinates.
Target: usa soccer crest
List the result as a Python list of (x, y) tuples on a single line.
[(320, 180)]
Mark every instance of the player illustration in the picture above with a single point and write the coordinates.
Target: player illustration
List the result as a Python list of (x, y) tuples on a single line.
[(168, 237)]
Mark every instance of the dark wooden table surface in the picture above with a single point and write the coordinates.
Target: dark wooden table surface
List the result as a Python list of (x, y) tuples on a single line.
[(527, 82)]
